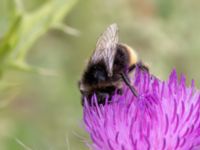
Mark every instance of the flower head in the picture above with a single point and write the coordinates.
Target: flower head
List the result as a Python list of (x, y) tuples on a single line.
[(165, 116)]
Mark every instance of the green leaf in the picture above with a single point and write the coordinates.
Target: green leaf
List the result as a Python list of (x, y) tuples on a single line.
[(28, 27)]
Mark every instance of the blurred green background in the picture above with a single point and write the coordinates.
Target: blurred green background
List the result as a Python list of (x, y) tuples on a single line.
[(44, 45)]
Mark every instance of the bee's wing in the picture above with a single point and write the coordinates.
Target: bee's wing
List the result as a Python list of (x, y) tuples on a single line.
[(106, 48)]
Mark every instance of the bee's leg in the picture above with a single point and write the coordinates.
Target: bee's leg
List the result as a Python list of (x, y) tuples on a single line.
[(142, 66), (119, 91), (101, 98), (131, 68), (127, 82), (83, 100)]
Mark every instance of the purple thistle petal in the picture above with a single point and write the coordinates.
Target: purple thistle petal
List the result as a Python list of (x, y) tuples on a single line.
[(165, 116)]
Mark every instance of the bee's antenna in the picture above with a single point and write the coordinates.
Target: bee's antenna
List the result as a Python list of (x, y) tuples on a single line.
[(127, 82)]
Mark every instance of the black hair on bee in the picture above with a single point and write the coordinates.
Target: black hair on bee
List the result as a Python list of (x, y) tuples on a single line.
[(108, 67)]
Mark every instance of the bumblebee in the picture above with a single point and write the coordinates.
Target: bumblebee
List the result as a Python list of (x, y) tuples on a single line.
[(108, 67)]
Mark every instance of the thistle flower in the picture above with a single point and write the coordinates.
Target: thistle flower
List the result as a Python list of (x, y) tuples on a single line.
[(165, 116)]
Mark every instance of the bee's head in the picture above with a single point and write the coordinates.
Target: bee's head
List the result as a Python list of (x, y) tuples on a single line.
[(103, 95)]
